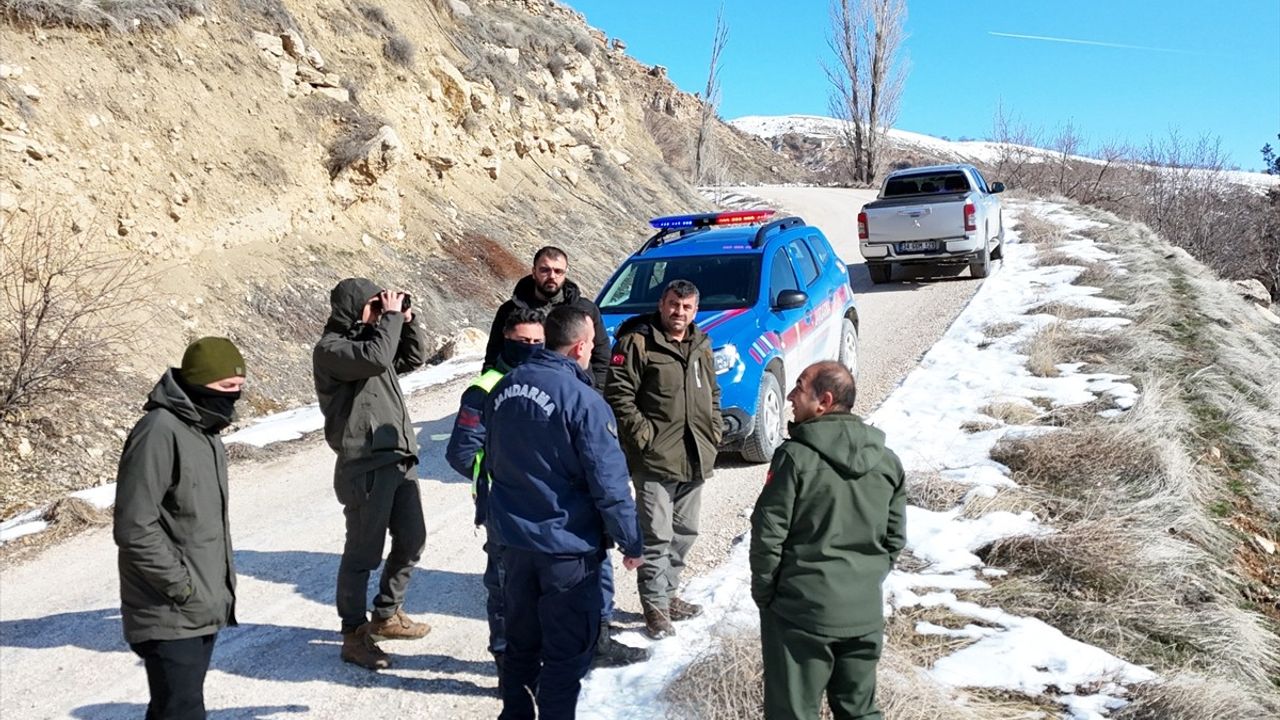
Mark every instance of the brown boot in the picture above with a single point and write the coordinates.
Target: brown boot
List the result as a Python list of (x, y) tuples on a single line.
[(681, 610), (358, 649), (657, 623), (397, 627)]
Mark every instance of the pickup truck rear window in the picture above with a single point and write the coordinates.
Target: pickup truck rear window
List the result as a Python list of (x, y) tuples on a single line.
[(952, 181)]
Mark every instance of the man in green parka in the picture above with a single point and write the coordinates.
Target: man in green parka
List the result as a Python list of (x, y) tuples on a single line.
[(826, 529), (663, 389), (177, 582), (370, 339)]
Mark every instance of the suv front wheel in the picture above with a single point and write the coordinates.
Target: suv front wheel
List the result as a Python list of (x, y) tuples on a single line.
[(767, 435)]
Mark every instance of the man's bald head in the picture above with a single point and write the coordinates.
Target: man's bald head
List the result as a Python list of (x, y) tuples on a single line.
[(822, 388)]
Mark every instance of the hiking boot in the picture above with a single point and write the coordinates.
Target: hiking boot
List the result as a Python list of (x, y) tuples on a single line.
[(611, 653), (359, 649), (681, 610), (657, 624), (397, 627)]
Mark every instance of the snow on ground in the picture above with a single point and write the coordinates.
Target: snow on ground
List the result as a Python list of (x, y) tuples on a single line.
[(965, 371), (278, 427), (970, 151)]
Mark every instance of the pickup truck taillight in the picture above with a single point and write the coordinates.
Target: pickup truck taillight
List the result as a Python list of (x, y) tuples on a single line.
[(970, 217), (862, 226)]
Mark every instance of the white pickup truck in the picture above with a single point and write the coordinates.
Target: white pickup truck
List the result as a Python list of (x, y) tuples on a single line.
[(936, 215)]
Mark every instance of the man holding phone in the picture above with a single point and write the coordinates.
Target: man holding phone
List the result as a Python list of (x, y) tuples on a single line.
[(370, 339)]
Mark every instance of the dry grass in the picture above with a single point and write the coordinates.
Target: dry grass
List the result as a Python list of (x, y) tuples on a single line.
[(1198, 696), (1075, 463), (1063, 311), (1097, 274), (725, 682), (977, 426), (931, 492), (1045, 351), (399, 50), (1059, 343), (1012, 413), (1033, 228), (115, 15), (1049, 258)]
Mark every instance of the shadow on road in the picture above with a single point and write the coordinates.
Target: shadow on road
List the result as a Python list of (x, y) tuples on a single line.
[(906, 277), (313, 575), (433, 437), (97, 630), (110, 711)]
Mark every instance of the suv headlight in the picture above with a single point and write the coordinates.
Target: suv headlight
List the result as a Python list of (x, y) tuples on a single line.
[(726, 358)]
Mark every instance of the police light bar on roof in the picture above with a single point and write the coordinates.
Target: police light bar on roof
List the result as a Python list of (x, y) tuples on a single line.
[(736, 217)]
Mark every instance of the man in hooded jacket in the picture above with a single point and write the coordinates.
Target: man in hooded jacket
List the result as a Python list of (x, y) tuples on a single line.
[(544, 288), (825, 531), (369, 340), (177, 581)]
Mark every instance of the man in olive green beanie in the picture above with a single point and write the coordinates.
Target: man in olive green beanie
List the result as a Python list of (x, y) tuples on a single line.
[(177, 582), (826, 529)]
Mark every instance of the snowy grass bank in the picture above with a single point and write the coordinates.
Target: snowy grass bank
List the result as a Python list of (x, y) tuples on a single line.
[(973, 390)]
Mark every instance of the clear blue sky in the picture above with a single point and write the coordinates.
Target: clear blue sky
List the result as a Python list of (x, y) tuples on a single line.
[(1202, 68)]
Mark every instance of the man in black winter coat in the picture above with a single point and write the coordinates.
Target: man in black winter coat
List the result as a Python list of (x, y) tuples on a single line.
[(545, 288), (177, 578)]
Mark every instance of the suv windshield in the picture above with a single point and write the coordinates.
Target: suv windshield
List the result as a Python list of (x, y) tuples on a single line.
[(724, 282), (947, 181)]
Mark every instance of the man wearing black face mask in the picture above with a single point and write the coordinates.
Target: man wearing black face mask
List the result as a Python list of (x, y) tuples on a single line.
[(177, 582), (370, 338)]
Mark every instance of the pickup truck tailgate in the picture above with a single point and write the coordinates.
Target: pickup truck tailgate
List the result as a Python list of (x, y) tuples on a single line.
[(919, 221)]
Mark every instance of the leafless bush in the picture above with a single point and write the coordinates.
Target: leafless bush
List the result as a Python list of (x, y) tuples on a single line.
[(272, 10), (357, 130), (399, 50), (68, 308), (116, 15)]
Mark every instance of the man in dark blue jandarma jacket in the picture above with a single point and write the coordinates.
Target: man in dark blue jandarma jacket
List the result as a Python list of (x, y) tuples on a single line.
[(560, 489)]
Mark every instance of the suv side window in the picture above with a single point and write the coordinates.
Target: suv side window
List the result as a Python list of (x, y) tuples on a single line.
[(804, 261), (781, 276), (820, 250)]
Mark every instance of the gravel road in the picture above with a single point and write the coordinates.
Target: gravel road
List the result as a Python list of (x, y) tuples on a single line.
[(61, 651)]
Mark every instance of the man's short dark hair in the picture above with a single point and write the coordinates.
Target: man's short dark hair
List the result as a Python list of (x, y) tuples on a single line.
[(682, 289), (521, 316), (830, 376), (552, 252), (565, 326)]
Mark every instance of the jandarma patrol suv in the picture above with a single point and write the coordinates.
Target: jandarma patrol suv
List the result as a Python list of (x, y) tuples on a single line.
[(773, 297)]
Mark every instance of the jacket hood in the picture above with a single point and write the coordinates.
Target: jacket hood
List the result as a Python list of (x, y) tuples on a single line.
[(168, 394), (846, 443), (347, 301), (650, 323), (525, 294)]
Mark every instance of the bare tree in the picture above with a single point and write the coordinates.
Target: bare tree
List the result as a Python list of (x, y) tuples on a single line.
[(702, 150), (1066, 146), (66, 310), (866, 77)]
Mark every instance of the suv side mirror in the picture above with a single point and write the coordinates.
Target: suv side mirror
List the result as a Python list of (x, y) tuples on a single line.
[(791, 299), (997, 187)]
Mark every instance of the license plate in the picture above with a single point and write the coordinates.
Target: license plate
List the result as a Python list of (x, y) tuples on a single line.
[(918, 246)]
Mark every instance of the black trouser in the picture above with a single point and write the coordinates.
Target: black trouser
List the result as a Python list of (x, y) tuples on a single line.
[(175, 675), (375, 503), (552, 626)]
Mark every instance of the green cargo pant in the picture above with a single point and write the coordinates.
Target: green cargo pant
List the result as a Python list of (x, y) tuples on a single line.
[(800, 665), (669, 521)]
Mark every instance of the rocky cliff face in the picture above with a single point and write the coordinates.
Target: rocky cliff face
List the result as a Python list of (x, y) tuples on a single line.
[(253, 152)]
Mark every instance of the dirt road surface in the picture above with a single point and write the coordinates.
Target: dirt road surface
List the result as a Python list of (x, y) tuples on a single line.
[(61, 650)]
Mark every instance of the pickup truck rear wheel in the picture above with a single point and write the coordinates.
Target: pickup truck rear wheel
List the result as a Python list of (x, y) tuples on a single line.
[(880, 272), (980, 267), (767, 435)]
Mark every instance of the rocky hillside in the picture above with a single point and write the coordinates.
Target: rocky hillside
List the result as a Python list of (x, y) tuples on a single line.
[(250, 153)]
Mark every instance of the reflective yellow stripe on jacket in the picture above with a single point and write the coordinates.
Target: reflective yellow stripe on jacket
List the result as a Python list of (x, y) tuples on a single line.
[(485, 382)]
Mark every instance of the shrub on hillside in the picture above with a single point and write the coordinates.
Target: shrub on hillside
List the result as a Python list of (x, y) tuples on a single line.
[(118, 15), (69, 309)]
